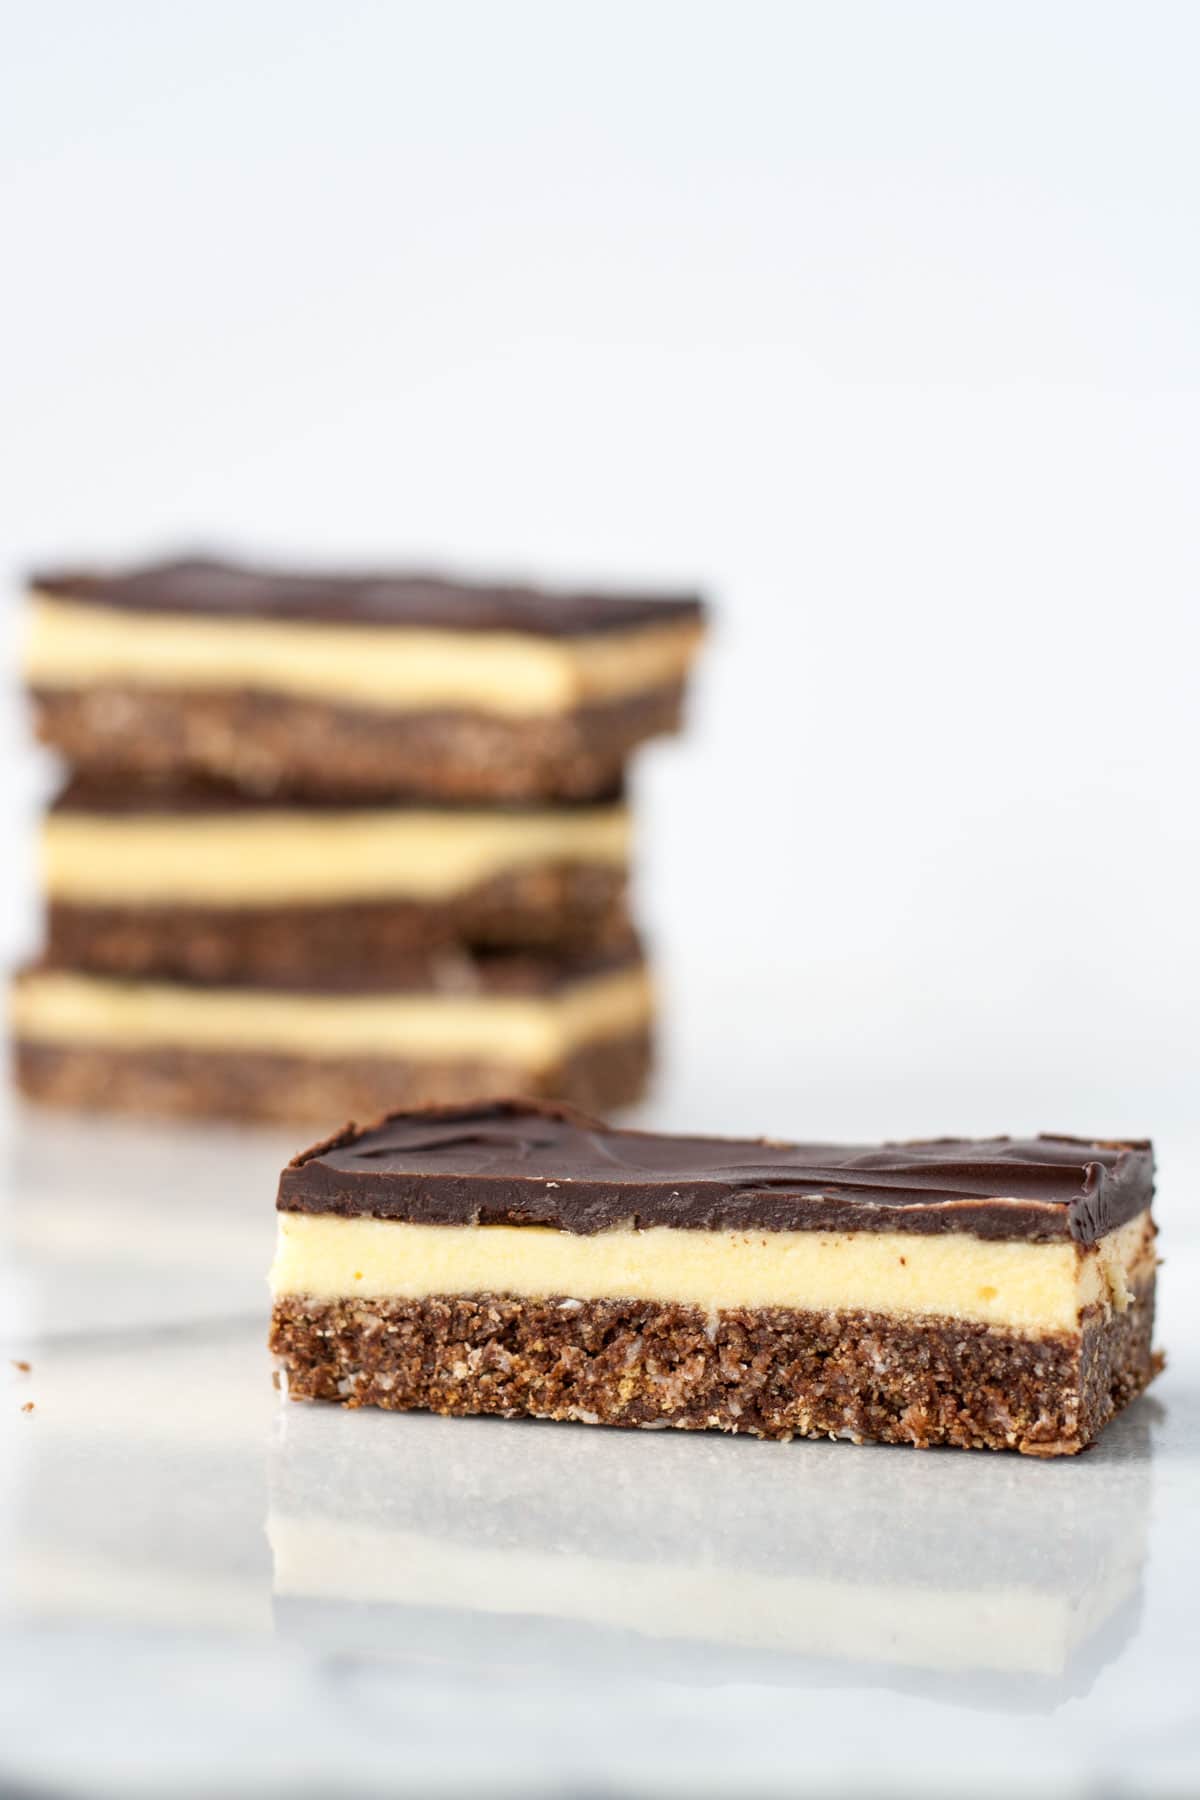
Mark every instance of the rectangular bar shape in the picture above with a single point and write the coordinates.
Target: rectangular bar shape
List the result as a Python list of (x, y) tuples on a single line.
[(374, 684), (517, 1258), (457, 1027), (204, 883)]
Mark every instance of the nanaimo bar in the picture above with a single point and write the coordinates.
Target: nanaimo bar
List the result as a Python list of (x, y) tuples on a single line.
[(453, 1028), (203, 882), (516, 1258), (354, 684)]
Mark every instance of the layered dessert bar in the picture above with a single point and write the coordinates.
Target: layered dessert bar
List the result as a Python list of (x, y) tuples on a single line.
[(204, 882), (347, 684), (522, 1259), (453, 1028)]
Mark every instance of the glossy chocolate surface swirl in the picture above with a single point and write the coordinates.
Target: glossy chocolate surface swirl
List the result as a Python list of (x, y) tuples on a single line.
[(513, 1162)]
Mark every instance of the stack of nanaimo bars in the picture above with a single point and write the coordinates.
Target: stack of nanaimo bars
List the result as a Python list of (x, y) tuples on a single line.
[(333, 844)]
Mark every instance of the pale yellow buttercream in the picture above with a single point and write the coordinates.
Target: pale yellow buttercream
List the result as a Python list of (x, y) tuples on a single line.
[(529, 1032), (74, 645), (1026, 1286), (277, 856)]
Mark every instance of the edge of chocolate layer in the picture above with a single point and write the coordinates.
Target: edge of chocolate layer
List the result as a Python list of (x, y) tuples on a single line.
[(104, 794), (282, 744), (214, 587), (516, 1162)]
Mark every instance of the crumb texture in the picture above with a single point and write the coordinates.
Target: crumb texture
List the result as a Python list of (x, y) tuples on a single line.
[(558, 907), (254, 1087), (268, 743), (774, 1373)]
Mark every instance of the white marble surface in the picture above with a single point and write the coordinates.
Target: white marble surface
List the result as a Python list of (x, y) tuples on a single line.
[(203, 1590)]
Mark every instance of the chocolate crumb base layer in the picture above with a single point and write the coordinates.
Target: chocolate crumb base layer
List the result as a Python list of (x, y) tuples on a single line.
[(248, 1087), (570, 908), (274, 744), (771, 1372)]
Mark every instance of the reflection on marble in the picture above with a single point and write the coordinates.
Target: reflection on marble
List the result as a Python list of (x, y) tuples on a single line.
[(486, 1543)]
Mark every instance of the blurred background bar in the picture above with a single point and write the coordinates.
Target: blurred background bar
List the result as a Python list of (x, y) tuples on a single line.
[(338, 843)]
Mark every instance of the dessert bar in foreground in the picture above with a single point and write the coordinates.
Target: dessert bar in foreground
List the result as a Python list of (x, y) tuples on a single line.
[(201, 881), (376, 684), (514, 1258), (453, 1028)]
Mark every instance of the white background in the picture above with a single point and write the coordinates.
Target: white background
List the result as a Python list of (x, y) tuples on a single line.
[(878, 321)]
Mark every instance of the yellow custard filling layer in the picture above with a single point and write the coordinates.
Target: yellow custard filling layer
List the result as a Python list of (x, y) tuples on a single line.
[(1028, 1287), (530, 1032), (74, 645), (277, 856)]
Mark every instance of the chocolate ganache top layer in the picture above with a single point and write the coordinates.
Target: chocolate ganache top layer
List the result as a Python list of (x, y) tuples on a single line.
[(521, 1163), (204, 586)]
